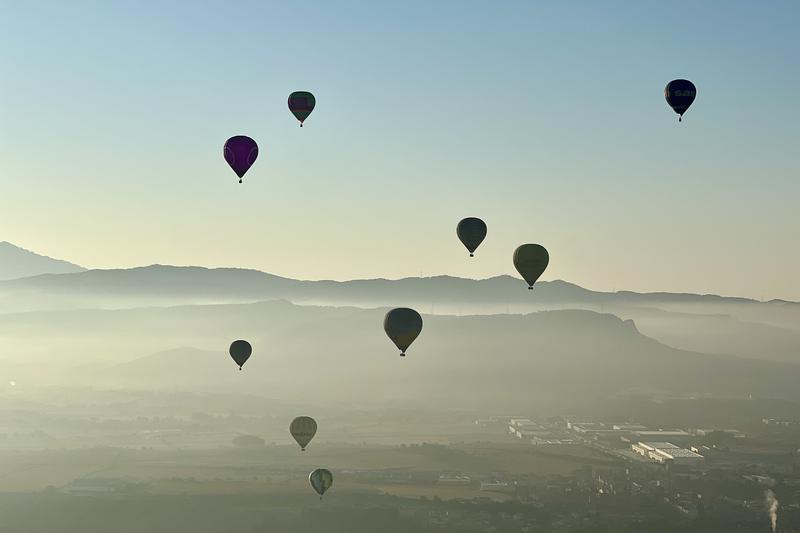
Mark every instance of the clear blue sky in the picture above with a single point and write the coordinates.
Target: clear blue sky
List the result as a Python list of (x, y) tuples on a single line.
[(545, 119)]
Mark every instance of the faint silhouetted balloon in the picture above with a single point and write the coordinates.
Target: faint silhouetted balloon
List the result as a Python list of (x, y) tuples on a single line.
[(471, 231), (303, 429), (301, 104), (240, 152), (321, 480), (240, 352), (402, 325), (680, 95), (530, 260)]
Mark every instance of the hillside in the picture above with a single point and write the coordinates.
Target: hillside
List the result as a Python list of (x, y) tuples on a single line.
[(704, 323), (312, 353), (16, 262)]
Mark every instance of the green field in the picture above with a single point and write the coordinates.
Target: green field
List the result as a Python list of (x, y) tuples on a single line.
[(235, 469)]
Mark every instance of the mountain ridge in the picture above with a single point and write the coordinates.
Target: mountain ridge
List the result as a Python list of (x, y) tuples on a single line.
[(344, 349), (64, 279), (17, 262)]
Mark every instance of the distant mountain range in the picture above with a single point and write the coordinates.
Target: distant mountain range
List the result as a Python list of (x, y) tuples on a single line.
[(316, 354), (700, 323), (16, 262), (197, 283)]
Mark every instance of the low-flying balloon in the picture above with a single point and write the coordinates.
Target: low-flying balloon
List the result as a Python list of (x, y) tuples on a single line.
[(240, 152), (301, 104), (303, 429), (321, 480), (240, 352), (471, 232), (402, 325), (530, 260), (680, 95)]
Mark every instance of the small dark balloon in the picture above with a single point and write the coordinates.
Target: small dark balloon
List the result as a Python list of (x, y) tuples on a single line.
[(680, 94), (403, 326), (471, 232), (240, 152), (301, 104), (531, 260), (240, 352)]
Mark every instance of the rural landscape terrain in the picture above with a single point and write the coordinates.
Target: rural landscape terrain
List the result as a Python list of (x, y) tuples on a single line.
[(118, 395)]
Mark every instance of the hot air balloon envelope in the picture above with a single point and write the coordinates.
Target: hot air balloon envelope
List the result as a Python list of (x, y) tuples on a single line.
[(240, 352), (680, 94), (321, 480), (471, 231), (301, 104), (303, 429), (402, 325), (531, 260), (240, 152)]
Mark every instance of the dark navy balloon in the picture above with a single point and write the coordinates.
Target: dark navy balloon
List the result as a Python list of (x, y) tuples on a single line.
[(680, 95), (240, 152), (471, 232), (240, 352), (301, 104)]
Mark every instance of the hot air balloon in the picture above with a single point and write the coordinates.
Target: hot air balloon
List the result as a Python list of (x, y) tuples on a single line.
[(402, 325), (680, 95), (240, 352), (530, 260), (240, 152), (301, 104), (321, 480), (471, 231), (303, 429)]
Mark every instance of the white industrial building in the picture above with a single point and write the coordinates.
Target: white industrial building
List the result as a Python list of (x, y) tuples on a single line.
[(524, 428), (629, 427), (666, 452), (515, 423)]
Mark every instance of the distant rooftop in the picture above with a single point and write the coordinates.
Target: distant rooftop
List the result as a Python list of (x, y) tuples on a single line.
[(668, 433), (681, 452), (660, 445)]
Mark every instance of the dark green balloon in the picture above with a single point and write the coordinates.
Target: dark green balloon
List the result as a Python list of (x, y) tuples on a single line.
[(403, 326), (240, 352), (471, 232), (531, 260), (321, 480), (301, 104)]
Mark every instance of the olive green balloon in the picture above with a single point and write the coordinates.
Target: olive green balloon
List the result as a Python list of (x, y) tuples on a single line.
[(471, 231), (240, 352), (403, 326), (321, 480), (303, 429), (531, 260)]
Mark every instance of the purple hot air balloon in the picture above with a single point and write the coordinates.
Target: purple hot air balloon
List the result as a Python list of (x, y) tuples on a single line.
[(240, 152)]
